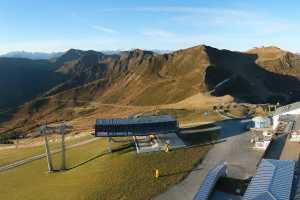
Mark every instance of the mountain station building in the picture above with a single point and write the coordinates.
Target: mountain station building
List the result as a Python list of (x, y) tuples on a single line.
[(150, 133)]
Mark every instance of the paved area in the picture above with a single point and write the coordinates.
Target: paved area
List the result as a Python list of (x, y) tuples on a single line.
[(275, 148), (291, 151), (233, 147)]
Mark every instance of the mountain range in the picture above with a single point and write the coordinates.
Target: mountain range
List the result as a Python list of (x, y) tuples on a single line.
[(53, 55), (32, 55), (143, 78)]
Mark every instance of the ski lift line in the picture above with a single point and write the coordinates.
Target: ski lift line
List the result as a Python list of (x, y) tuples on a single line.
[(219, 84), (16, 127), (222, 82), (104, 104), (66, 101)]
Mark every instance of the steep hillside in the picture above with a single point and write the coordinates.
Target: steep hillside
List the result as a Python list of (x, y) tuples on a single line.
[(159, 79), (277, 60), (145, 78), (131, 77), (69, 56), (23, 79), (251, 77)]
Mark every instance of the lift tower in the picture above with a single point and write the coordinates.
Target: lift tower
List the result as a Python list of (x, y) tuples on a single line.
[(63, 146), (48, 153)]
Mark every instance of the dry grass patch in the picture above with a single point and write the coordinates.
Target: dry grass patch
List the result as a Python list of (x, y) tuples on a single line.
[(121, 175)]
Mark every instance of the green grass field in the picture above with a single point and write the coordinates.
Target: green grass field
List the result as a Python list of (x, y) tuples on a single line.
[(94, 175), (10, 155)]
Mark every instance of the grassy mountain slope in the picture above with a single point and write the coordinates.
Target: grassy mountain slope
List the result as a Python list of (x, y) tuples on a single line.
[(23, 79), (250, 77), (144, 78), (277, 60)]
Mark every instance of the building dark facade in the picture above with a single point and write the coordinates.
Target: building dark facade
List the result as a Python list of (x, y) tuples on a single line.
[(139, 126)]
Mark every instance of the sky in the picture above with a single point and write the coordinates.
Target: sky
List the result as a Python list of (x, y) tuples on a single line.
[(58, 25)]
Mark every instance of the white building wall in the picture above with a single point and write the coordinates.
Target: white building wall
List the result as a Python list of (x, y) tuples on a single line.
[(262, 145), (295, 138), (276, 117), (275, 121), (264, 122)]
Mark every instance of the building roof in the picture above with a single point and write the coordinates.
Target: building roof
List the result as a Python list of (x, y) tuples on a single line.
[(287, 108), (296, 192), (258, 118), (137, 120), (210, 181), (273, 181)]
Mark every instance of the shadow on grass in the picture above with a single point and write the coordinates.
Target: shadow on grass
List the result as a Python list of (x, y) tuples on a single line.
[(120, 150), (206, 144), (125, 148), (87, 161)]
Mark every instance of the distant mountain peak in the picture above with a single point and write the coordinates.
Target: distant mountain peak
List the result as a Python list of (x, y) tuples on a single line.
[(271, 48), (73, 51), (71, 54), (32, 55)]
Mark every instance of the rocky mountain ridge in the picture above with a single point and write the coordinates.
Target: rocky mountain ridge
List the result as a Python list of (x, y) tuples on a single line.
[(145, 78)]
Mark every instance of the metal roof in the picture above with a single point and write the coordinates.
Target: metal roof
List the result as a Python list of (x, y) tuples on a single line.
[(210, 181), (273, 180), (137, 120), (296, 191), (258, 118), (287, 108)]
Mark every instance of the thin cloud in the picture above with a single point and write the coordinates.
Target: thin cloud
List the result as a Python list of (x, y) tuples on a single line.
[(175, 9), (158, 33), (104, 29), (61, 45), (234, 18)]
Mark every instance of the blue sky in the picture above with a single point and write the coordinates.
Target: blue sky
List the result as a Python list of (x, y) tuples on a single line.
[(57, 25)]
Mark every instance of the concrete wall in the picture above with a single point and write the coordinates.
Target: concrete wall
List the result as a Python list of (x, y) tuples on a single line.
[(276, 117)]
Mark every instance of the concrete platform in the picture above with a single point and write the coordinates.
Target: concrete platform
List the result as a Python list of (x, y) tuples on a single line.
[(146, 145), (290, 151), (172, 139)]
